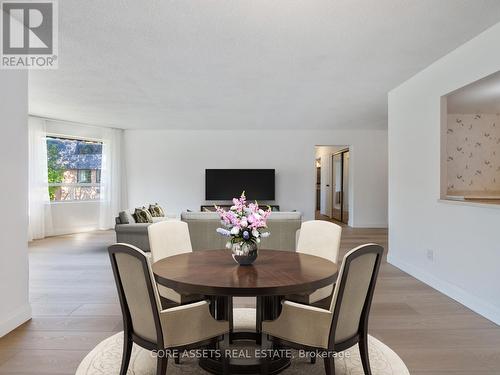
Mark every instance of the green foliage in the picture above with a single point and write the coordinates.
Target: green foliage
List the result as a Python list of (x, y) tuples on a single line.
[(55, 173)]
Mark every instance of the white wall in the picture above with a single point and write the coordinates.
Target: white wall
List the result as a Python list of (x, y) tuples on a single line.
[(465, 239), (14, 305), (73, 217), (169, 167)]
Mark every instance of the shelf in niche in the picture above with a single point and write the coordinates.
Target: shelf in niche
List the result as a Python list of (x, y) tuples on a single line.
[(488, 197), (455, 200)]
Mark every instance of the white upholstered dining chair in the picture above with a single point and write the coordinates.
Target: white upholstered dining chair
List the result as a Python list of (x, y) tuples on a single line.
[(169, 238), (320, 238), (146, 323), (341, 326)]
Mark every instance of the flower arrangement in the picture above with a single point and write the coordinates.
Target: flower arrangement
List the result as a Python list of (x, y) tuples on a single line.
[(243, 223)]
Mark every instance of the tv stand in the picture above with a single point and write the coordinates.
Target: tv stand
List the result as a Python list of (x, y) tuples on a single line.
[(206, 207)]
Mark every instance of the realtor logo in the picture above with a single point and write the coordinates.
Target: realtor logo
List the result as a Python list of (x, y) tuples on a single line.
[(29, 35)]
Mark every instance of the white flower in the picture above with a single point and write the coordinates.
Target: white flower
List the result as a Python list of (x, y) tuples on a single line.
[(261, 211), (228, 245), (265, 234), (235, 231), (224, 232), (244, 222), (255, 233), (257, 240)]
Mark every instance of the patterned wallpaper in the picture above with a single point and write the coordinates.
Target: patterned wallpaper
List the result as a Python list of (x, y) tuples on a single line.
[(473, 148)]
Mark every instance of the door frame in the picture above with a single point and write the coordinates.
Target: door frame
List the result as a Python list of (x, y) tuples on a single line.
[(318, 185), (339, 152)]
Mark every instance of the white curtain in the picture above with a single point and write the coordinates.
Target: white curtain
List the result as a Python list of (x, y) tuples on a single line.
[(40, 220), (111, 177)]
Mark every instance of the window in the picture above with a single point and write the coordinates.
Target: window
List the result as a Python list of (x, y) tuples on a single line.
[(74, 169), (84, 176)]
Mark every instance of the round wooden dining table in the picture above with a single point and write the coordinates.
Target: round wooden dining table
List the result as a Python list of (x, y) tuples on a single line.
[(275, 274)]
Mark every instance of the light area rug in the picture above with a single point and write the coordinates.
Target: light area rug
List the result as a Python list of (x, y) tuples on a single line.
[(105, 358)]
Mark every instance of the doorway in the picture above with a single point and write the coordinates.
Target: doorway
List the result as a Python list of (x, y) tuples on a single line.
[(318, 184), (340, 186), (331, 183)]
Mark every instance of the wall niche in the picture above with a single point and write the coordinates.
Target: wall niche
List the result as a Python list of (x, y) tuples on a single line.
[(471, 142)]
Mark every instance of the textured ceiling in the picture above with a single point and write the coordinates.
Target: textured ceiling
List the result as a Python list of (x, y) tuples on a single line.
[(482, 96), (274, 64)]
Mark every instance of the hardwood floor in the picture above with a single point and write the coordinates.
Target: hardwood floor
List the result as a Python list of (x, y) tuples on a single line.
[(75, 306)]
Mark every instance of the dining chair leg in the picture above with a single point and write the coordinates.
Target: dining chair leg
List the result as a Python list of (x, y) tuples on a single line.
[(264, 366), (225, 365), (313, 357), (161, 365), (211, 306), (264, 361), (259, 318), (177, 358), (329, 366), (363, 351), (127, 351), (230, 318)]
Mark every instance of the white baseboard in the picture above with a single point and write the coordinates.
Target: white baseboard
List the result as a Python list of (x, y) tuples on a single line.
[(15, 319), (370, 225), (70, 230), (460, 295)]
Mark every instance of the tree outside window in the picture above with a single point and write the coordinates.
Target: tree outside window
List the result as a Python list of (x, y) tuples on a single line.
[(74, 169)]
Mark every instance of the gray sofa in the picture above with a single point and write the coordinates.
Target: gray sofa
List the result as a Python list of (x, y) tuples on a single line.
[(202, 225), (128, 231)]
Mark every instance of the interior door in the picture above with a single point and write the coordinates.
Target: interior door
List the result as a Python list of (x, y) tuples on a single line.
[(318, 184), (337, 187), (345, 187)]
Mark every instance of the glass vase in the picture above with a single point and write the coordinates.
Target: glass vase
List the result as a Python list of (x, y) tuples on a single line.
[(244, 253)]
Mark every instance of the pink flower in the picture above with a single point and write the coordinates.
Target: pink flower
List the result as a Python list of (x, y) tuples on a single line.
[(243, 217), (243, 198), (254, 207), (239, 204)]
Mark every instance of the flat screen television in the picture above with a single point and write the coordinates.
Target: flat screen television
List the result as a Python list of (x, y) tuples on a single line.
[(226, 184)]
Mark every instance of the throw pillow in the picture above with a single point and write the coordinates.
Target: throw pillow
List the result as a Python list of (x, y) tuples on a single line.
[(126, 217), (156, 211), (142, 215)]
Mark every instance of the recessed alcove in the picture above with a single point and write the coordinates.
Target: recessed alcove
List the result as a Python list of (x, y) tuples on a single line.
[(471, 142)]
